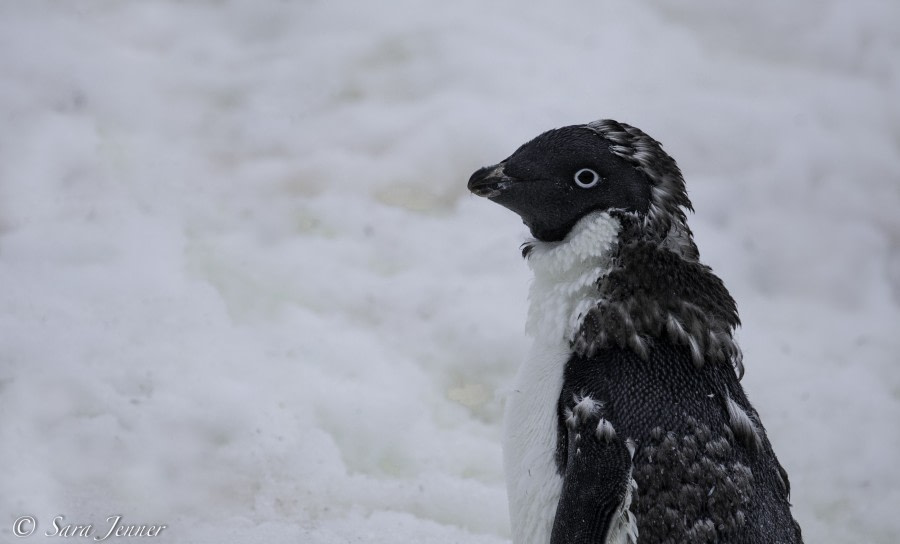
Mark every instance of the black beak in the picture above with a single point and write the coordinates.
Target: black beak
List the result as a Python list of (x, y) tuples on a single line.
[(490, 181)]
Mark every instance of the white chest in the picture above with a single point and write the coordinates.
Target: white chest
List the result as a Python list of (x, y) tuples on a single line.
[(563, 289), (529, 443)]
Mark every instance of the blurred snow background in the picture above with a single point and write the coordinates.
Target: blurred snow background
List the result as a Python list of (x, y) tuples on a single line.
[(246, 294)]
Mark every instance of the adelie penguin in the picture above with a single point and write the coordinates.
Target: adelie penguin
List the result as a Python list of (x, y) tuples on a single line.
[(627, 421)]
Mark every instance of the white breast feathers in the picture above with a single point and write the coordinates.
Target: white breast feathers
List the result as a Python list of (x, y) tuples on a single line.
[(565, 276), (563, 290)]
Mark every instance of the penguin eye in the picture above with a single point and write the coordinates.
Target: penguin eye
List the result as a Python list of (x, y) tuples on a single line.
[(586, 178)]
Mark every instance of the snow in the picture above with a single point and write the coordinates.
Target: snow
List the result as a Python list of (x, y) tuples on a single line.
[(246, 294)]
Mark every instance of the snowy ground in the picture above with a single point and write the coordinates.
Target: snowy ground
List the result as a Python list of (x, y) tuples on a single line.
[(246, 294)]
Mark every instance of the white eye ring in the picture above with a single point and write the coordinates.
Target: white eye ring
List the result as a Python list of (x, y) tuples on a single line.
[(595, 178)]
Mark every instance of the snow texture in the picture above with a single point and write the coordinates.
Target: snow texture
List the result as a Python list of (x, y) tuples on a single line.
[(246, 294)]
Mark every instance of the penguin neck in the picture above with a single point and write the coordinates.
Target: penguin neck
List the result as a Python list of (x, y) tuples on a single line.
[(609, 284), (566, 274), (655, 289)]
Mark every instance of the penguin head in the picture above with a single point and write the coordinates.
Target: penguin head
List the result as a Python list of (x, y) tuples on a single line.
[(557, 178)]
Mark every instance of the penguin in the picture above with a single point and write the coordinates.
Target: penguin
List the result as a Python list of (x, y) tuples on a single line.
[(627, 422)]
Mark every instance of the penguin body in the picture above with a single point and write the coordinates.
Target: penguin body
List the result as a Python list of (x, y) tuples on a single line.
[(627, 422)]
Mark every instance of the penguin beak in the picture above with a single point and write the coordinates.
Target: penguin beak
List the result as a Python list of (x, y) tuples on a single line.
[(490, 181)]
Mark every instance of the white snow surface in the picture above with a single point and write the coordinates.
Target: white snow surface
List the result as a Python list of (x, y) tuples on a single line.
[(246, 294)]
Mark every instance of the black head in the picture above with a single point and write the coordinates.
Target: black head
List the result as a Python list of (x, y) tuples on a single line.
[(562, 175)]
